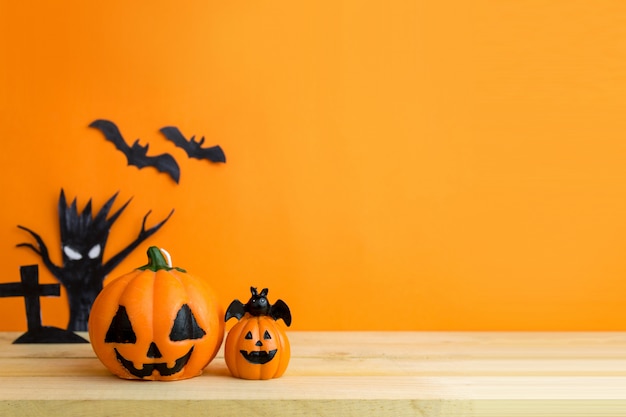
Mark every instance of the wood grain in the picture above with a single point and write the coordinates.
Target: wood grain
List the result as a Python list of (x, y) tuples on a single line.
[(343, 373)]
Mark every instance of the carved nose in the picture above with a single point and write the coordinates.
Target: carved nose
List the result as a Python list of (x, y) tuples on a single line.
[(259, 343), (153, 351)]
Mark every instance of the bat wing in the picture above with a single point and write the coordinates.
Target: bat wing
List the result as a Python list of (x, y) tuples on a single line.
[(193, 148), (163, 163), (280, 310), (213, 154), (112, 134), (173, 134), (136, 154), (235, 309)]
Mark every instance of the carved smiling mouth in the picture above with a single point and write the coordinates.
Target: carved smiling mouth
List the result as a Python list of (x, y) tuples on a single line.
[(259, 357), (148, 368)]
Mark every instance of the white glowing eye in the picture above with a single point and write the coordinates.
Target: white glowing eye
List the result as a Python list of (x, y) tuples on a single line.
[(72, 254), (94, 252)]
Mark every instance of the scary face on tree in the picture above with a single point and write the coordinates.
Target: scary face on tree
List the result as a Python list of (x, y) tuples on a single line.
[(156, 323)]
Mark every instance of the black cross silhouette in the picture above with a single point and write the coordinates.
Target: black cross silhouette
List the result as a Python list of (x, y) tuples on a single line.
[(30, 288)]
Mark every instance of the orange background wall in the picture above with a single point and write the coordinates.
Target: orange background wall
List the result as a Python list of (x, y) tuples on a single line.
[(391, 165)]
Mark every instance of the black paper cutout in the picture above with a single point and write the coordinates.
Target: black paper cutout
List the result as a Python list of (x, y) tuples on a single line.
[(192, 148), (258, 305), (83, 240), (31, 290), (136, 154)]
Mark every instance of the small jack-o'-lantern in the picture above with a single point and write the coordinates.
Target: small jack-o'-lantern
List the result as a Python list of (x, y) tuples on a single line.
[(156, 323), (257, 347)]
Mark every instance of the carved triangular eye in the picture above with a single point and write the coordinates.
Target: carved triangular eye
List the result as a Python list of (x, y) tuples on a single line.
[(249, 335), (266, 335), (120, 330), (185, 326)]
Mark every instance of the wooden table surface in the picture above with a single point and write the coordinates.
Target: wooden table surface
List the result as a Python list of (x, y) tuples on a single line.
[(342, 374)]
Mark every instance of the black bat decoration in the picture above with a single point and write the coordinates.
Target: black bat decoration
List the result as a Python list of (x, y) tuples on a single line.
[(259, 306), (194, 149), (136, 154)]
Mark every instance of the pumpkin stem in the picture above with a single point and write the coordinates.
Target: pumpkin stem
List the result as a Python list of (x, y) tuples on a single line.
[(157, 261)]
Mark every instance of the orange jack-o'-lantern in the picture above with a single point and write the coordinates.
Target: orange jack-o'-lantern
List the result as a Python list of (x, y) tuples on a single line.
[(156, 323), (257, 346)]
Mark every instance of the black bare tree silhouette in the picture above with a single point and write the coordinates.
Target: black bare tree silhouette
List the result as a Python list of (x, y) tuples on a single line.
[(83, 239)]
